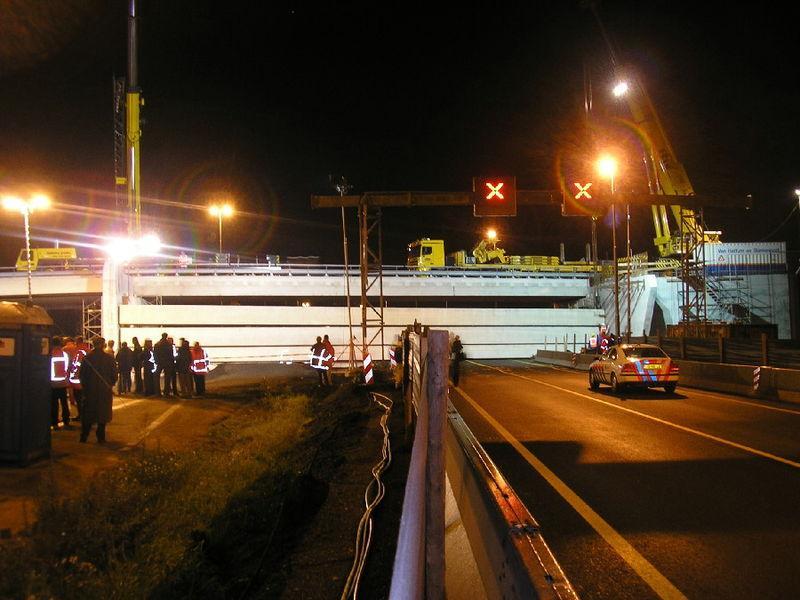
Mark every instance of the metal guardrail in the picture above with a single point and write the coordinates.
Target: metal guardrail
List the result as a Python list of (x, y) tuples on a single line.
[(289, 270), (513, 559)]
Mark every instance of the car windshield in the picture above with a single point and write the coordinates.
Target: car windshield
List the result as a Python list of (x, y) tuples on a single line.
[(642, 352)]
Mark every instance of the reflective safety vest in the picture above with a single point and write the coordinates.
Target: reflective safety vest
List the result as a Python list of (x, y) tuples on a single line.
[(75, 368), (604, 343), (150, 358), (319, 358), (200, 362), (59, 368), (593, 342)]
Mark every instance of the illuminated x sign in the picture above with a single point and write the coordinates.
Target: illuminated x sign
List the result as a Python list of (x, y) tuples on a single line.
[(495, 191), (494, 196), (583, 191)]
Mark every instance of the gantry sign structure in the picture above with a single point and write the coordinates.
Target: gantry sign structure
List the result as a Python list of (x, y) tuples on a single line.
[(491, 196)]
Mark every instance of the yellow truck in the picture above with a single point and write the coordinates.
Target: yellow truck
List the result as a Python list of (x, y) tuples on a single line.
[(426, 254), (46, 257)]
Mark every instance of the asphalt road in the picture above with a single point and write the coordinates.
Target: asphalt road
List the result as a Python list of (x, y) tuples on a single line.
[(693, 494)]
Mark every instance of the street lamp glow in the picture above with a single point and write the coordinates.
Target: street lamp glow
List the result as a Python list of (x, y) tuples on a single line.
[(125, 249), (220, 211), (25, 208), (620, 89), (607, 167), (491, 235)]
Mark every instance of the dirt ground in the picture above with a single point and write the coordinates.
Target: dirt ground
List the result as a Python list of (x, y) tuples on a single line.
[(316, 561)]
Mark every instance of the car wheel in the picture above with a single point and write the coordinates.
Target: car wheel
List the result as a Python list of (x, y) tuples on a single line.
[(593, 383), (616, 387), (670, 387)]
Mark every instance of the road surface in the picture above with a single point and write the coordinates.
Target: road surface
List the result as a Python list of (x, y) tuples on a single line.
[(693, 494)]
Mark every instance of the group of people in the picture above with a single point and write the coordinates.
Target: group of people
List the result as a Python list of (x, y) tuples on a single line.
[(84, 376), (322, 358)]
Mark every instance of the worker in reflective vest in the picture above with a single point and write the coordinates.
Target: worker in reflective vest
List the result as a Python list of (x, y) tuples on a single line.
[(319, 361), (59, 381), (200, 367), (81, 348)]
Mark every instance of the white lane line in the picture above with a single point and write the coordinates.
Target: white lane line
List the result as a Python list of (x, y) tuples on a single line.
[(127, 404), (662, 586), (696, 391), (749, 403), (697, 432), (158, 422)]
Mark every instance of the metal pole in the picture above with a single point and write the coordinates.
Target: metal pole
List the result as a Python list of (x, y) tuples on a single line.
[(351, 360), (219, 218), (616, 265), (630, 259), (26, 218)]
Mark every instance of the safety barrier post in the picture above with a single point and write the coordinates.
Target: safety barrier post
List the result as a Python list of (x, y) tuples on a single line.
[(644, 336), (682, 340), (574, 342), (721, 347), (659, 340), (764, 350), (438, 359)]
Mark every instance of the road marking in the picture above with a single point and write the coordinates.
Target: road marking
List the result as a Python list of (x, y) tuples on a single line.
[(127, 404), (697, 432), (662, 586), (736, 400), (697, 391), (158, 422)]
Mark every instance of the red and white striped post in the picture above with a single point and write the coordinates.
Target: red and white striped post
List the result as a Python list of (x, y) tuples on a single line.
[(368, 375)]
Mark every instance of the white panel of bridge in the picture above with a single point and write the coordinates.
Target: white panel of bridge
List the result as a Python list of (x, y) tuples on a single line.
[(14, 284), (330, 281), (273, 333), (259, 280)]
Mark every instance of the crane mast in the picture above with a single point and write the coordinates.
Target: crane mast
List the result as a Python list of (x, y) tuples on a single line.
[(666, 176)]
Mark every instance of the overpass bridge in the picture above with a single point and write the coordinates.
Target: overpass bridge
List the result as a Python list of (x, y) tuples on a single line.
[(256, 312), (259, 311)]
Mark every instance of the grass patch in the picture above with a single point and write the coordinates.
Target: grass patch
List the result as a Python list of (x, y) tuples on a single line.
[(204, 523)]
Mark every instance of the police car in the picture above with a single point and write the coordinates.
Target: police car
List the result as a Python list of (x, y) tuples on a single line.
[(634, 365)]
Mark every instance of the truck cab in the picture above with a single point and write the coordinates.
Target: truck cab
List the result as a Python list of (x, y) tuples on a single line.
[(425, 254)]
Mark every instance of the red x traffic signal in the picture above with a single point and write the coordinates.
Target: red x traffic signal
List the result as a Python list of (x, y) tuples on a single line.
[(494, 196)]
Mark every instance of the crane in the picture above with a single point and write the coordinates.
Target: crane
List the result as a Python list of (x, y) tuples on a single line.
[(666, 176)]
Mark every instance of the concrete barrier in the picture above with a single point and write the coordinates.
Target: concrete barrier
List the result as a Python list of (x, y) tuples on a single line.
[(773, 384)]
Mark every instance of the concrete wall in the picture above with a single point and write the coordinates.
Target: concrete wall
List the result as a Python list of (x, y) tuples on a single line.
[(256, 333)]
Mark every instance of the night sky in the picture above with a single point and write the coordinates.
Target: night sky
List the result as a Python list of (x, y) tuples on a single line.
[(262, 101)]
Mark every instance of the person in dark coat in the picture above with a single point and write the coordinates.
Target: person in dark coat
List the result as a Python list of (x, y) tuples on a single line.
[(457, 355), (98, 374), (124, 364), (183, 365), (149, 369), (136, 362), (165, 363)]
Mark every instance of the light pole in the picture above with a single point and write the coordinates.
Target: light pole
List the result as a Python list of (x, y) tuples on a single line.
[(26, 207), (220, 211), (607, 167)]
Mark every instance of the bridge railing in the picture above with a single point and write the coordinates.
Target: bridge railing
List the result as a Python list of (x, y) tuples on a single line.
[(512, 558)]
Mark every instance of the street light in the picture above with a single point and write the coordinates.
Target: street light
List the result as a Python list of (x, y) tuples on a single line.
[(607, 168), (26, 207), (220, 211)]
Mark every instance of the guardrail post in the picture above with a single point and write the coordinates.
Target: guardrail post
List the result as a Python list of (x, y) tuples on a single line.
[(644, 337), (682, 340), (721, 348), (764, 349), (438, 355), (574, 342), (659, 340)]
